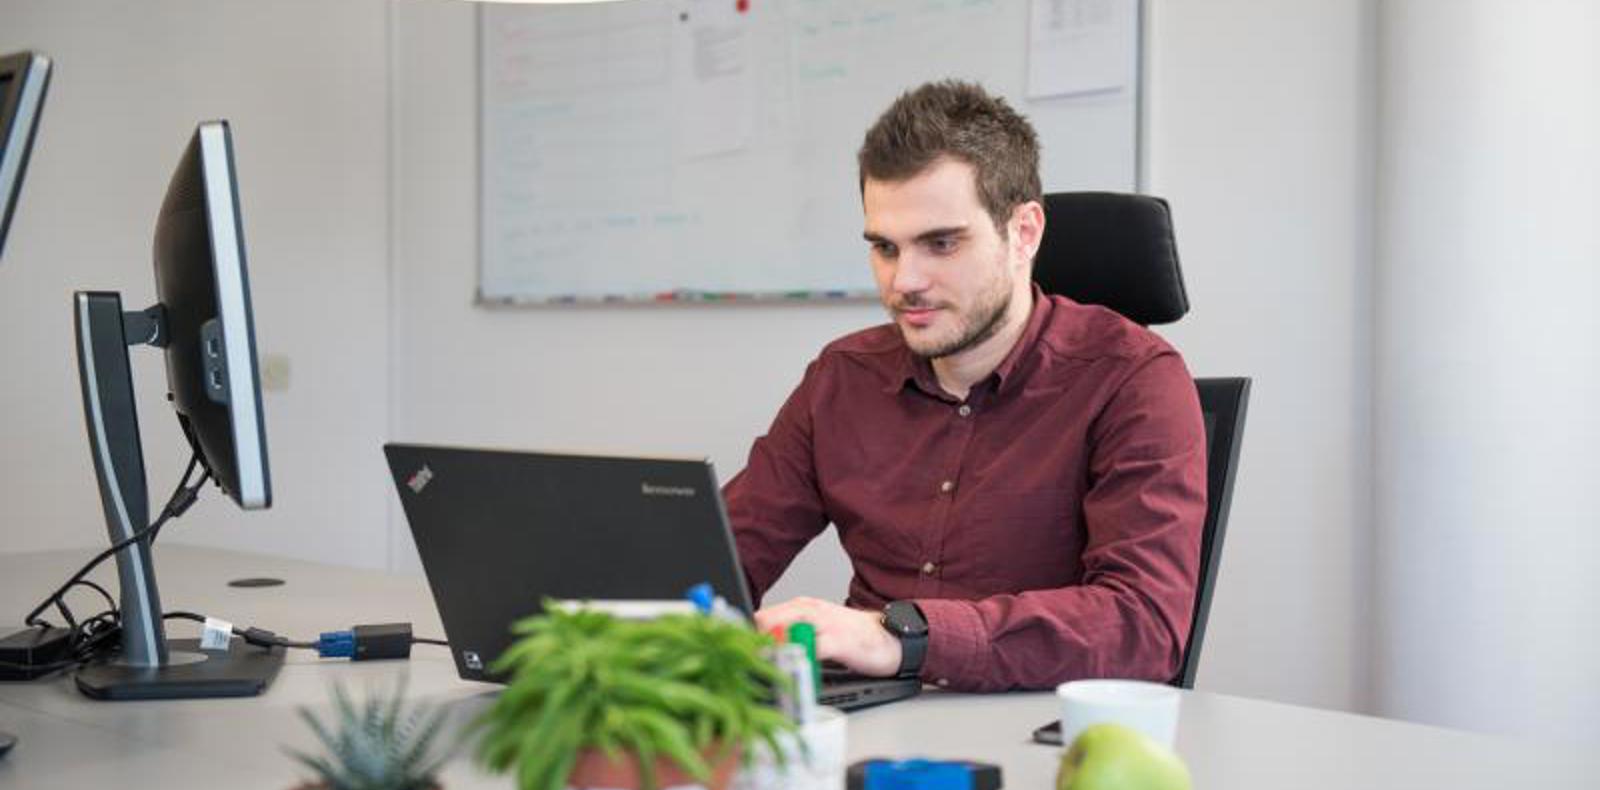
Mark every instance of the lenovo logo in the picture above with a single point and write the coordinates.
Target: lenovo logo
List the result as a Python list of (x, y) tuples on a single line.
[(420, 480), (654, 490)]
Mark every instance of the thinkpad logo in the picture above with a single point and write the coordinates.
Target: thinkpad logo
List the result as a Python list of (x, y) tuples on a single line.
[(649, 489), (420, 480), (472, 660)]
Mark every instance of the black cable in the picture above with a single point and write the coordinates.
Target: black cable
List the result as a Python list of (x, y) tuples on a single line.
[(90, 637), (96, 632), (259, 637), (66, 614), (183, 486), (56, 597), (181, 500), (111, 603)]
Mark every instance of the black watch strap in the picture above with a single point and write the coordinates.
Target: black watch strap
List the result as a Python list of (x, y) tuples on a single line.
[(905, 621)]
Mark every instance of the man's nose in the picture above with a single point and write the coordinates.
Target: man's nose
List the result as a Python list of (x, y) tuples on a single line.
[(910, 274)]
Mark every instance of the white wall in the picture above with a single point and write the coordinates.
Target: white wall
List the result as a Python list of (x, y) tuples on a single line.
[(1258, 133), (1489, 366), (304, 85), (1260, 136)]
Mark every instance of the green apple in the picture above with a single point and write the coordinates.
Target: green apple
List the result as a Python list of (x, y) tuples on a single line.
[(1114, 757)]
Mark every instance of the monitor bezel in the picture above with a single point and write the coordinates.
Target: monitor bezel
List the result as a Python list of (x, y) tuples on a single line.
[(245, 415), (19, 122)]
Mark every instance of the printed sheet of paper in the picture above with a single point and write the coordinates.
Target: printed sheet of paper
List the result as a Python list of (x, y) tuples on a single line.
[(713, 77), (1081, 46)]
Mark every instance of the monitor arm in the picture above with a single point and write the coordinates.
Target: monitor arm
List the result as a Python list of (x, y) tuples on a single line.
[(145, 667), (104, 333)]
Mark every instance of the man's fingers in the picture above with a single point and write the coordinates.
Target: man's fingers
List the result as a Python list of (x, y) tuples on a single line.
[(790, 612)]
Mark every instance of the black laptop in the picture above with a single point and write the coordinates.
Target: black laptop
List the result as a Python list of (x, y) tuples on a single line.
[(500, 531)]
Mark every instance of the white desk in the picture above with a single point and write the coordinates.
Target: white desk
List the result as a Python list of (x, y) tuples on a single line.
[(68, 741)]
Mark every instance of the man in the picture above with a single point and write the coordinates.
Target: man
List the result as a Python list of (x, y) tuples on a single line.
[(1019, 480)]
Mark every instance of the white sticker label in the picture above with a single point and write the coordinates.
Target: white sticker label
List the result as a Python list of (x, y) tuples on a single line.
[(216, 634)]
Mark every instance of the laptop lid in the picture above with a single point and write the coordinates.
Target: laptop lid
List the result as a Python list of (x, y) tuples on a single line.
[(499, 531)]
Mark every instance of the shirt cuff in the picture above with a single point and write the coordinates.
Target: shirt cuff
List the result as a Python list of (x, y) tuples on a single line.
[(955, 642)]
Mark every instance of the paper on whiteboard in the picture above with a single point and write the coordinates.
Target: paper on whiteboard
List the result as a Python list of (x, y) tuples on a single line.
[(713, 77), (1081, 46)]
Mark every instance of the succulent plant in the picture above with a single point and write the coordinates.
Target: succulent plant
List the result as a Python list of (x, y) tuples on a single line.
[(380, 743)]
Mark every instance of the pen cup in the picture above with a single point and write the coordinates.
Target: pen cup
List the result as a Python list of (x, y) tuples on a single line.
[(1150, 708), (819, 766)]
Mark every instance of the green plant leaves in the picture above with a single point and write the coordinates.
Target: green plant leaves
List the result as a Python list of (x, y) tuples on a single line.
[(675, 686), (376, 744)]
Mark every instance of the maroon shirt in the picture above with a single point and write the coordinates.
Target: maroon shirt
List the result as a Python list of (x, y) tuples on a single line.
[(1048, 526)]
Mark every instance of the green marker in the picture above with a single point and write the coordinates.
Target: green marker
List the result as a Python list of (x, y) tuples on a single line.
[(805, 635)]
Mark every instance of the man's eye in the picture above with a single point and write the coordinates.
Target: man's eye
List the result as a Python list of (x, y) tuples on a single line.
[(884, 249), (942, 245)]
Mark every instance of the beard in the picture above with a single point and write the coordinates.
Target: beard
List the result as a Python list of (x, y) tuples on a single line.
[(973, 326)]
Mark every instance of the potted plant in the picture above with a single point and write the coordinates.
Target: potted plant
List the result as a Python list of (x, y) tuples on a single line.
[(598, 701), (379, 744)]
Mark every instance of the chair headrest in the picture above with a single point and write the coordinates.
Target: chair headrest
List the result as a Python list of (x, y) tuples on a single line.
[(1112, 249)]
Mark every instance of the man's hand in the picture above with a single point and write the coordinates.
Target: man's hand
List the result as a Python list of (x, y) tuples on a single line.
[(852, 637)]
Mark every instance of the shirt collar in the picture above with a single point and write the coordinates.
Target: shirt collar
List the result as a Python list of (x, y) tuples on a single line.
[(917, 371), (1014, 368)]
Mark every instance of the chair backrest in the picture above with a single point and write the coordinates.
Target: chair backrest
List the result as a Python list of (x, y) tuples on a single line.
[(1119, 251), (1112, 249), (1223, 402)]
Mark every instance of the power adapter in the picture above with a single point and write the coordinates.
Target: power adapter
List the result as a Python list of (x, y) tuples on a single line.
[(29, 653), (367, 642)]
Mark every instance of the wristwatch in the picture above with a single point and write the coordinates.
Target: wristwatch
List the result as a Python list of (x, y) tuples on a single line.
[(905, 621)]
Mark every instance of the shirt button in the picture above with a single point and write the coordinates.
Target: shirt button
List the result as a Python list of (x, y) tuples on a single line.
[(965, 410), (928, 568), (947, 486)]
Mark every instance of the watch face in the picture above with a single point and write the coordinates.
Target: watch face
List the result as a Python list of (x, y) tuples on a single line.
[(904, 619)]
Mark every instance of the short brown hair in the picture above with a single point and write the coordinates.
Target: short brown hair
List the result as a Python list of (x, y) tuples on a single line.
[(962, 121)]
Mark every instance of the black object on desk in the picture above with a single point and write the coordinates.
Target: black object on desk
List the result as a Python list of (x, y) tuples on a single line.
[(1049, 734), (203, 324), (499, 531), (7, 740), (28, 653)]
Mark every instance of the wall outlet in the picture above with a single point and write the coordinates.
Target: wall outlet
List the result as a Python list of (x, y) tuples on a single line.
[(275, 372)]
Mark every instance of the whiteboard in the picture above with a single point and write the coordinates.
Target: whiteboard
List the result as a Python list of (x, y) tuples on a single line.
[(704, 150)]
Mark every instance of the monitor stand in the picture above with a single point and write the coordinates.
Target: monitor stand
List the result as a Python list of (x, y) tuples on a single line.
[(242, 671), (145, 667)]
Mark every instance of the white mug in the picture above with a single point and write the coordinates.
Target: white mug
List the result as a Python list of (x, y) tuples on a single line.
[(1150, 708)]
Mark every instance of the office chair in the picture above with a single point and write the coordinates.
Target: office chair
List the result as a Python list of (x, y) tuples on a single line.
[(1118, 251)]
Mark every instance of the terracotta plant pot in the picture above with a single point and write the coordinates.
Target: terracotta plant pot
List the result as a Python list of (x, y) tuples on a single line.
[(324, 786), (594, 769)]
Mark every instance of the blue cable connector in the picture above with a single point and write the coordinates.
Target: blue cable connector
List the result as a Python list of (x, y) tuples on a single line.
[(337, 644)]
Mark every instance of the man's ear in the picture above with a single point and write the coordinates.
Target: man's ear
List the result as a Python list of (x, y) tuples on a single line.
[(1027, 229)]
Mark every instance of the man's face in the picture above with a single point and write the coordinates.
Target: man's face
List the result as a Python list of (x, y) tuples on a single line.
[(944, 272)]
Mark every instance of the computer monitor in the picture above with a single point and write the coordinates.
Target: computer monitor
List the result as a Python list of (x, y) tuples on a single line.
[(203, 322), (24, 77)]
